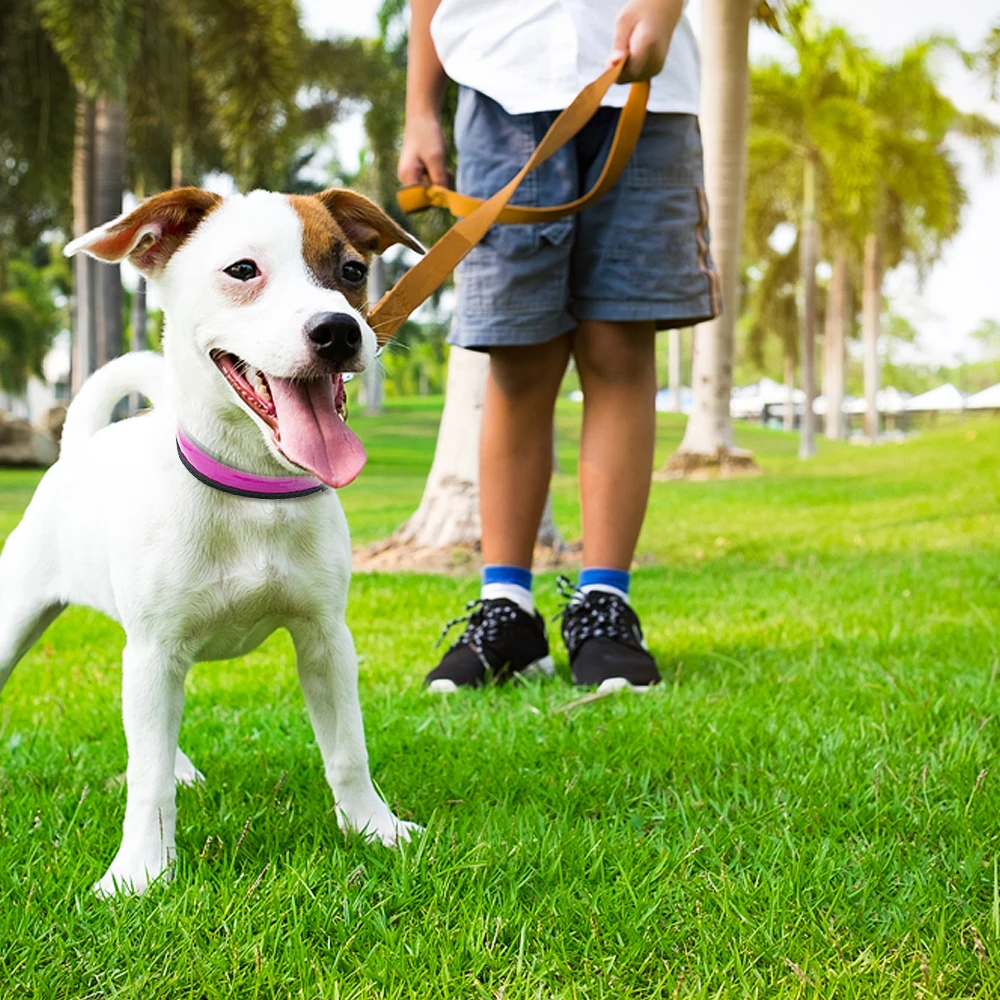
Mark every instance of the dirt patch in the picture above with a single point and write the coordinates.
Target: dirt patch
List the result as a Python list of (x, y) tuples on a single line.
[(392, 556), (723, 463)]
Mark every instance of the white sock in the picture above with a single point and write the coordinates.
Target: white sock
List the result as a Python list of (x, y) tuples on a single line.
[(519, 595), (607, 588)]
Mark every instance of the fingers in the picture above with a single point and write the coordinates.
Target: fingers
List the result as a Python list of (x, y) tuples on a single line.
[(422, 159), (410, 170), (643, 42), (436, 169), (416, 169), (646, 55)]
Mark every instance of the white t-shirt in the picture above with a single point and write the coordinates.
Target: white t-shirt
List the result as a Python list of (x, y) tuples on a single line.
[(536, 55)]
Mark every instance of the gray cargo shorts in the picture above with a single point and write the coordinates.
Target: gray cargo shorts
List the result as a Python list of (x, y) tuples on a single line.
[(639, 253)]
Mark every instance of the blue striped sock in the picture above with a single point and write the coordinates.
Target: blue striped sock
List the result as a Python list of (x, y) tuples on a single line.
[(615, 581), (510, 582)]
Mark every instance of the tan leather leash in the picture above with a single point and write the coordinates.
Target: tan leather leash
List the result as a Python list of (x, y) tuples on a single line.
[(427, 275)]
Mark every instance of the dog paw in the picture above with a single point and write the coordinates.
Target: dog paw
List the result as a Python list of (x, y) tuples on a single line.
[(401, 832), (185, 773), (378, 825), (128, 883), (132, 875)]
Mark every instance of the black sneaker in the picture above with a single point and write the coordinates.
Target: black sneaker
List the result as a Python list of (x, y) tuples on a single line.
[(604, 640), (500, 640)]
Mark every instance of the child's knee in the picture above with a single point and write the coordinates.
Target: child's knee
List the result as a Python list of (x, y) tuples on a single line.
[(616, 352), (527, 371)]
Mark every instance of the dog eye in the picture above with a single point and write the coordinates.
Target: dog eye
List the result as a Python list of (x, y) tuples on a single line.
[(353, 272), (242, 270)]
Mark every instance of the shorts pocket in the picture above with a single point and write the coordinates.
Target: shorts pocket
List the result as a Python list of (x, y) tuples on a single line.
[(669, 154), (520, 242)]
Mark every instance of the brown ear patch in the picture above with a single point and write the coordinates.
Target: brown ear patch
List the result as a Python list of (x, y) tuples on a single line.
[(364, 223), (322, 240), (153, 232)]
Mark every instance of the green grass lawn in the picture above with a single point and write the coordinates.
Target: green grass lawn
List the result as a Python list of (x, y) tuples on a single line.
[(808, 806)]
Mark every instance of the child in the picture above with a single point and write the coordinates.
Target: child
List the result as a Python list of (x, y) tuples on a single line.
[(597, 286)]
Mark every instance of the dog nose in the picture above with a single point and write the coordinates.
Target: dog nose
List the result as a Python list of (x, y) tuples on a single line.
[(336, 336)]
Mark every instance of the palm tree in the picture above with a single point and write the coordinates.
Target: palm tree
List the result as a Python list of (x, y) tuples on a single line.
[(987, 60), (839, 311), (915, 197), (708, 437), (772, 309), (215, 81), (810, 143), (36, 151)]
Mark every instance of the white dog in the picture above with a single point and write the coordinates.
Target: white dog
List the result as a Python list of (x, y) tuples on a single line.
[(195, 526)]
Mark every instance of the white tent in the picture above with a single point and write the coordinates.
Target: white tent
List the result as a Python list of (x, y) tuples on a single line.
[(887, 400), (988, 399), (943, 399), (750, 400), (820, 407)]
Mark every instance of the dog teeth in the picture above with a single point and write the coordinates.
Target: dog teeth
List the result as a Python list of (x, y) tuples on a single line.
[(258, 383)]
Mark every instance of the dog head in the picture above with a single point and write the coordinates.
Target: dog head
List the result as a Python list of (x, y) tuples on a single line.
[(266, 296)]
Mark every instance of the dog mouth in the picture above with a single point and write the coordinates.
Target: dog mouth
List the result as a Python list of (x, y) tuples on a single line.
[(308, 418)]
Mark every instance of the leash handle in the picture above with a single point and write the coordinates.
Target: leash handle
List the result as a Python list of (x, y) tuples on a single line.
[(427, 275)]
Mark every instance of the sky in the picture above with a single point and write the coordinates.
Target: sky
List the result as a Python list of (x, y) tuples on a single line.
[(964, 286)]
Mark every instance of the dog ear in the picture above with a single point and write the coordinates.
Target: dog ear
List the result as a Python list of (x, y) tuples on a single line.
[(150, 234), (364, 223)]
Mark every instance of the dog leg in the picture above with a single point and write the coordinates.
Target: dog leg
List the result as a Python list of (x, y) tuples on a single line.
[(328, 673), (185, 773), (27, 567), (152, 702)]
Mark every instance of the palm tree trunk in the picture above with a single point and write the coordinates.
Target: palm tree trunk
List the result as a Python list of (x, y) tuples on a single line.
[(871, 321), (372, 380), (139, 317), (834, 345), (139, 330), (176, 165), (84, 267), (789, 412), (109, 182), (809, 251), (674, 368), (448, 514), (708, 438)]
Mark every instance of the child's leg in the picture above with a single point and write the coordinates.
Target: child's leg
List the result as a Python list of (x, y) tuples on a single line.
[(504, 634), (617, 367), (515, 457)]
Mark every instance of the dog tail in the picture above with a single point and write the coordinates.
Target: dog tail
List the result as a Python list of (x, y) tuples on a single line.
[(139, 371)]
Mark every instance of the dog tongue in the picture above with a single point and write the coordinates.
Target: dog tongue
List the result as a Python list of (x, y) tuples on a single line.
[(312, 434)]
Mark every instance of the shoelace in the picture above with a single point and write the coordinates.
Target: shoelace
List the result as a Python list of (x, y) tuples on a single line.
[(483, 620), (594, 615)]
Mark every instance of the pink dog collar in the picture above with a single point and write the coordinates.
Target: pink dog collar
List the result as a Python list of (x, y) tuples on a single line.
[(226, 479)]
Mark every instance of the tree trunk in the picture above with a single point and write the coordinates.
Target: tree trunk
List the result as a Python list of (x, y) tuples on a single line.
[(871, 320), (838, 311), (109, 182), (84, 268), (809, 252), (708, 438), (448, 515), (788, 415), (373, 378), (139, 317), (674, 368), (176, 165), (138, 340)]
